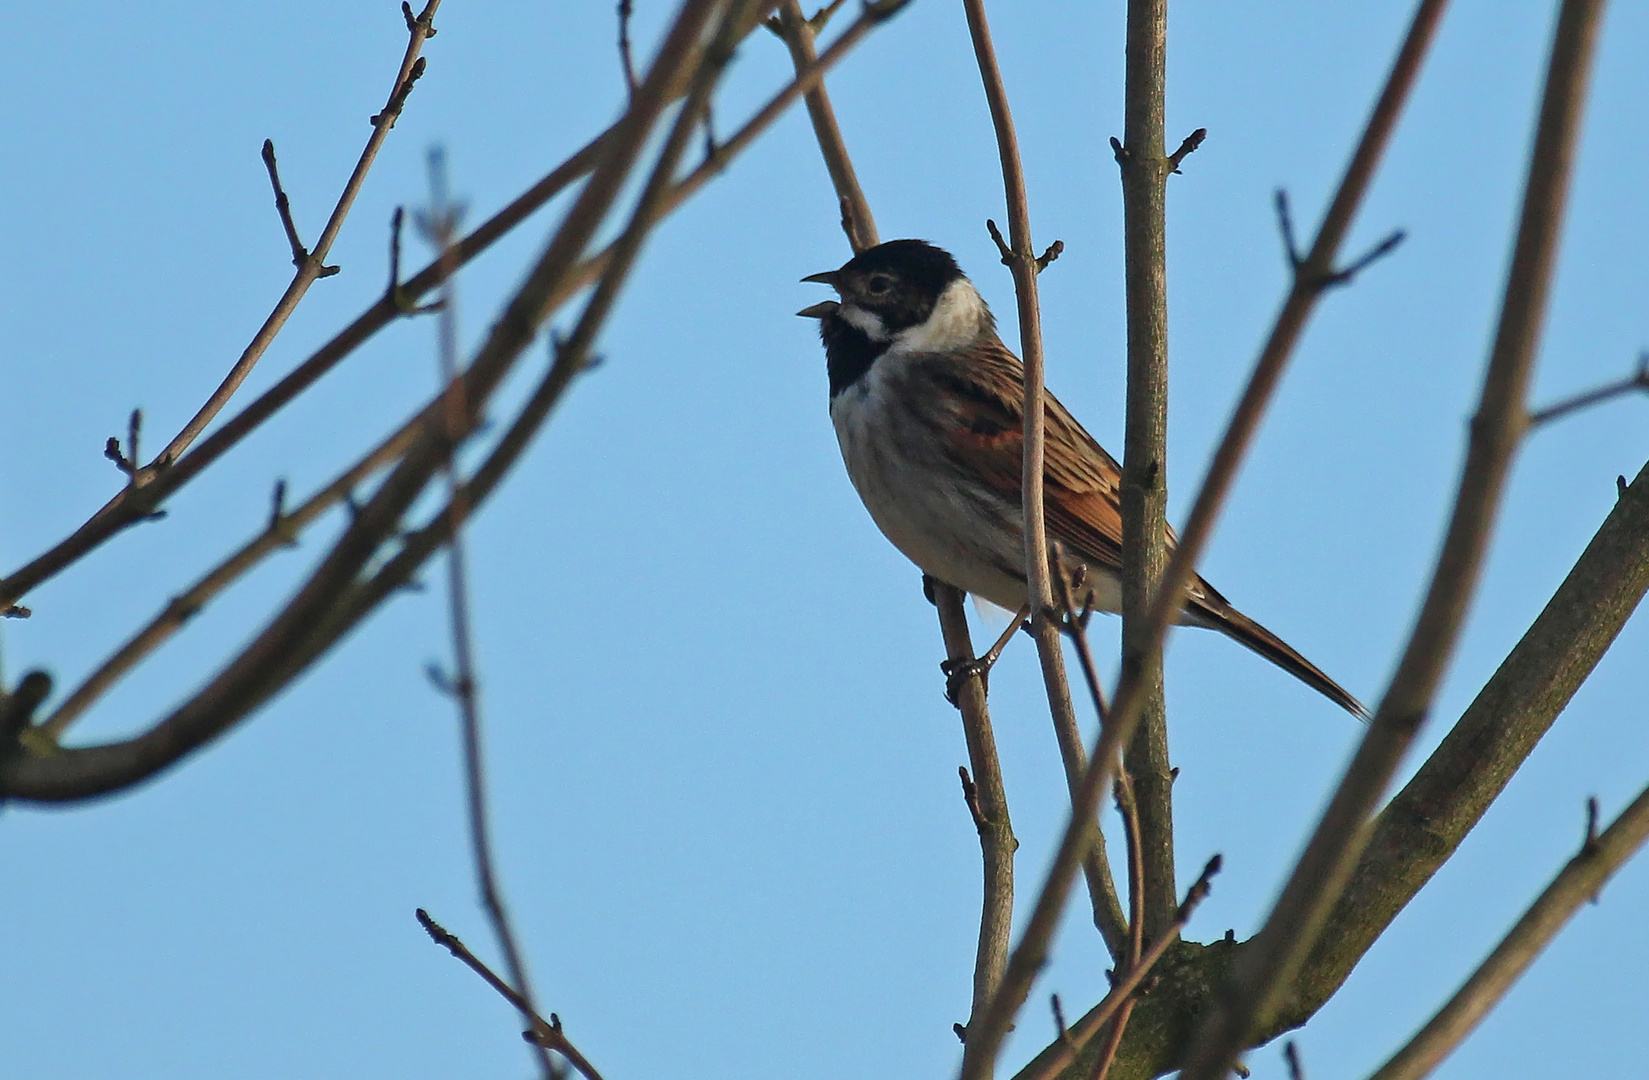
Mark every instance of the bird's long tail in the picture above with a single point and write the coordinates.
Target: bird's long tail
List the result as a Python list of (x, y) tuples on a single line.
[(1214, 611)]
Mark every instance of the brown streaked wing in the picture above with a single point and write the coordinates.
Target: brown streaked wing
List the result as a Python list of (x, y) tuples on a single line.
[(985, 429)]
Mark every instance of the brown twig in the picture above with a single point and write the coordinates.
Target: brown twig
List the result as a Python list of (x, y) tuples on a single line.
[(1186, 149), (313, 263), (130, 507), (544, 1033), (1112, 924), (1290, 322), (324, 609), (325, 604), (440, 228), (1638, 380), (281, 532), (979, 1056), (988, 803), (625, 9), (1578, 882), (798, 34), (1143, 494), (1267, 968), (1083, 1032), (283, 207)]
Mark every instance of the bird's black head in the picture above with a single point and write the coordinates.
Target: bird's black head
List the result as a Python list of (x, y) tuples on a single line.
[(885, 290)]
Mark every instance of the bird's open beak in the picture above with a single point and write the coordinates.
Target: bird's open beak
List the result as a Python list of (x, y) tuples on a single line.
[(824, 277), (819, 310)]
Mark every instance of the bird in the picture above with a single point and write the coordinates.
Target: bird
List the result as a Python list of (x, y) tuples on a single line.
[(928, 407)]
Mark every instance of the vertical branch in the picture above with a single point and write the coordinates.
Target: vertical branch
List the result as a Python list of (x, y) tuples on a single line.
[(988, 800), (979, 1056), (441, 228), (1266, 971), (1144, 494)]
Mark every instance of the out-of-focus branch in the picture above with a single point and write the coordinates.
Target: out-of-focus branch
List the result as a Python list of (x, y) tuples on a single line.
[(1077, 1039), (1265, 972), (1425, 823), (440, 226), (1144, 491), (61, 774), (1598, 859), (1638, 380), (545, 1033)]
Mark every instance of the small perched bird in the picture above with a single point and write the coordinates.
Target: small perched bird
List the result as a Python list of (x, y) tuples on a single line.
[(928, 406)]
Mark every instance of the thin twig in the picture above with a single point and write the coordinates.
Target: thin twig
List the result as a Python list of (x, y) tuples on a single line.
[(130, 506), (277, 535), (1578, 883), (1265, 971), (313, 263), (544, 1033), (1090, 1025), (441, 228), (283, 207), (625, 9), (798, 34), (1638, 380), (1186, 148), (325, 604), (1073, 845), (979, 1056)]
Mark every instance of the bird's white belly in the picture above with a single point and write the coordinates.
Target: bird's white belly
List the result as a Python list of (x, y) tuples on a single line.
[(950, 527)]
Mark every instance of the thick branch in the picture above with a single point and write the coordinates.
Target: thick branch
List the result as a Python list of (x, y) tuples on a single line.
[(1266, 972)]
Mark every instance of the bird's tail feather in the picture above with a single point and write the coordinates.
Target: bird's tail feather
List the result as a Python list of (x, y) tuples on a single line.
[(1218, 614)]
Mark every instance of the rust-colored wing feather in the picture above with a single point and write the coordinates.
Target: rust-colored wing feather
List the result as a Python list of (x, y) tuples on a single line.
[(984, 426)]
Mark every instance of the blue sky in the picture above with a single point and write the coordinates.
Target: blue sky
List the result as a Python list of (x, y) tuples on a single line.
[(724, 772)]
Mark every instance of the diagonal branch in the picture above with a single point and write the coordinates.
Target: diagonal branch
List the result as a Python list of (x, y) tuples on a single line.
[(1598, 859), (1266, 970), (545, 1033)]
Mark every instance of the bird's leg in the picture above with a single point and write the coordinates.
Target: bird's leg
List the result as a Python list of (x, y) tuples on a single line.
[(958, 672)]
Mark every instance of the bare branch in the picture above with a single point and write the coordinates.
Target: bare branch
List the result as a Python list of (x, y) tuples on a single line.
[(798, 34), (1186, 149), (283, 207), (1051, 1065), (1598, 859), (1266, 970), (984, 1041), (1638, 380), (441, 227), (1143, 494), (545, 1033), (625, 9), (130, 507)]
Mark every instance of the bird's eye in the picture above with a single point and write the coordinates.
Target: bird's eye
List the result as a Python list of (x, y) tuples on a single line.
[(878, 285)]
